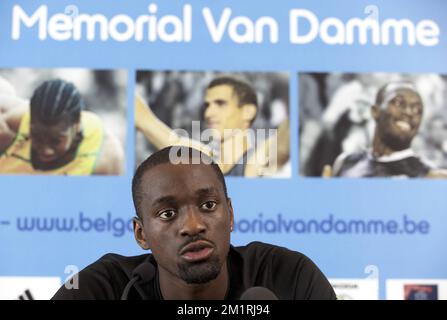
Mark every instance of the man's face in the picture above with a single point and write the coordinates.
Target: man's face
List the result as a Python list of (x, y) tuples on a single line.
[(187, 221), (50, 144), (399, 118), (222, 110)]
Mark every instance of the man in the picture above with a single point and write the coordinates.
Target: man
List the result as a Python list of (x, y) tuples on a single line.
[(230, 108), (398, 113), (51, 134), (184, 216)]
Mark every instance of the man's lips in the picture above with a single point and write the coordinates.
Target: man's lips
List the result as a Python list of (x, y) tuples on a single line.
[(197, 251), (403, 125), (212, 124), (45, 158)]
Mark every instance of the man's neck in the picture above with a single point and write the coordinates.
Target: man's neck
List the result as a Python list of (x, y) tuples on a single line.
[(172, 288), (380, 148)]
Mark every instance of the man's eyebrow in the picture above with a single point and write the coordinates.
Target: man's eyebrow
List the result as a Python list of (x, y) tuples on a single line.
[(162, 200), (207, 191), (390, 96), (220, 101)]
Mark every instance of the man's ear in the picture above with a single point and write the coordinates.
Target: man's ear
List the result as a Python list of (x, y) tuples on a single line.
[(139, 234), (375, 112), (230, 209), (249, 112)]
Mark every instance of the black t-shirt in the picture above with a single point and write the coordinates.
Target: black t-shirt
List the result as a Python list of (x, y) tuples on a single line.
[(363, 164), (288, 274)]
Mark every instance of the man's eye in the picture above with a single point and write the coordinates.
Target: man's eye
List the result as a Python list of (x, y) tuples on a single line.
[(208, 206), (398, 101), (416, 108), (167, 214)]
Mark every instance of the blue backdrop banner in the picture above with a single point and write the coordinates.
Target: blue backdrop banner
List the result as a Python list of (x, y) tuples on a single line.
[(317, 68)]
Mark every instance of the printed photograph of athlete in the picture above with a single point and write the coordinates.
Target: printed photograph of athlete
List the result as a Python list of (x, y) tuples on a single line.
[(239, 119), (48, 126), (373, 127)]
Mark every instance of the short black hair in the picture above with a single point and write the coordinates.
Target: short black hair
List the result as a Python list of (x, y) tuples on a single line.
[(56, 100), (244, 91), (163, 156), (380, 96)]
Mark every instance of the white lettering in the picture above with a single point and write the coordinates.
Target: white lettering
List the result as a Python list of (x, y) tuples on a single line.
[(125, 20), (427, 33), (187, 23), (216, 31), (40, 15), (176, 34), (271, 25), (398, 26), (90, 23), (60, 26), (361, 31), (295, 37), (304, 28), (247, 36), (363, 26), (241, 29), (338, 37)]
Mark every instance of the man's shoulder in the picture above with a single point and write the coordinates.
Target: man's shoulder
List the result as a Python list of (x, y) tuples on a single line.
[(114, 266), (346, 161), (117, 261), (103, 279), (264, 257), (260, 250), (289, 274)]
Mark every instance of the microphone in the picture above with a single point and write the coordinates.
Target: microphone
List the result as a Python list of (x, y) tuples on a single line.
[(258, 293), (145, 272)]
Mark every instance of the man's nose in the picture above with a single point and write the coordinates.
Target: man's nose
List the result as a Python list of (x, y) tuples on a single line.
[(192, 223), (410, 110), (47, 151), (209, 111)]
